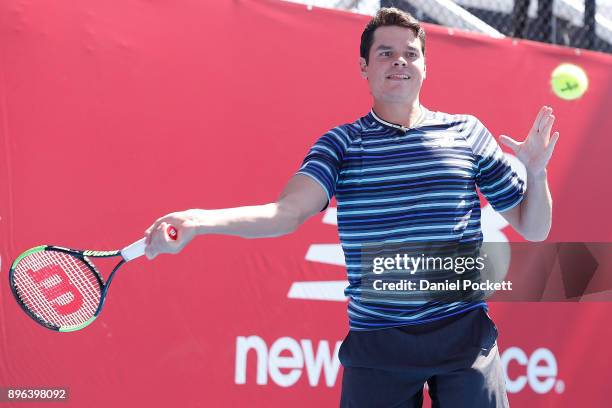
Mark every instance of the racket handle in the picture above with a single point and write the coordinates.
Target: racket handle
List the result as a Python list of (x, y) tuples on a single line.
[(137, 249), (133, 251)]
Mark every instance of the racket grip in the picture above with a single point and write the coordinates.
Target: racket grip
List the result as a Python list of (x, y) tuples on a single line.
[(133, 251), (137, 249)]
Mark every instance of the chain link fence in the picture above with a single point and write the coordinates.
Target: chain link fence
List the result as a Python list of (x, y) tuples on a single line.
[(574, 23)]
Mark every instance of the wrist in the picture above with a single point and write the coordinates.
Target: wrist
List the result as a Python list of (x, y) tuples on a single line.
[(201, 221), (541, 175)]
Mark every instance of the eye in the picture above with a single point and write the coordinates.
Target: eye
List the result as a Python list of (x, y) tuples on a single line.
[(412, 54), (386, 53)]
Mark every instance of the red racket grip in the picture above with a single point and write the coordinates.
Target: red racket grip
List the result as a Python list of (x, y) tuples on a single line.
[(172, 233)]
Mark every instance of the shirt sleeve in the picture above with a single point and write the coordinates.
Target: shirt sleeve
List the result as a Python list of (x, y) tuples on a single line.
[(324, 160), (498, 182)]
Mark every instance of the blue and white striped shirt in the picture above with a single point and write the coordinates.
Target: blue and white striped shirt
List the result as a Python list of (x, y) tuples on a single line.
[(403, 185)]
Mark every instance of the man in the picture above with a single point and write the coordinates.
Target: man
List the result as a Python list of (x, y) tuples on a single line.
[(402, 173)]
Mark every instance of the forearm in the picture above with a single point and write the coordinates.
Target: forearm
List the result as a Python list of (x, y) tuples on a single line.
[(536, 208), (258, 221)]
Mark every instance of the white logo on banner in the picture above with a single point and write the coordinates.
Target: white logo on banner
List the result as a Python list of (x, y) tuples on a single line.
[(540, 371), (286, 360), (295, 357)]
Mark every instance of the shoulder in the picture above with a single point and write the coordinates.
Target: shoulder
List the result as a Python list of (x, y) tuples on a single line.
[(463, 120), (347, 133), (467, 127)]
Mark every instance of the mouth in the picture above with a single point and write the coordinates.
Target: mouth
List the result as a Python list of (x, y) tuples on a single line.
[(398, 77)]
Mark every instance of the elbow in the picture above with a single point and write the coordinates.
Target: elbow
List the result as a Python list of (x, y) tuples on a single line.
[(288, 218), (292, 225)]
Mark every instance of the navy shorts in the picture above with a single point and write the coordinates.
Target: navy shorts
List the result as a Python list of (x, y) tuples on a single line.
[(457, 357)]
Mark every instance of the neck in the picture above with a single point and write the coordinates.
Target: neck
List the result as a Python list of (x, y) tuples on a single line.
[(401, 114)]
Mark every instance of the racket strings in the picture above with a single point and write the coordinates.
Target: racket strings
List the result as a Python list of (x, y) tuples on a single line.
[(57, 287)]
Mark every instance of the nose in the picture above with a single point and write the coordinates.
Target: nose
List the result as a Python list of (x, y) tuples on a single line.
[(400, 62)]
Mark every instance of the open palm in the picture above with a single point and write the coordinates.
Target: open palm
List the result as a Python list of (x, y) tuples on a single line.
[(536, 150)]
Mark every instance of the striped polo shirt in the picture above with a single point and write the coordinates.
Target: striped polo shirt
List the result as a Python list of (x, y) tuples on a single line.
[(400, 185)]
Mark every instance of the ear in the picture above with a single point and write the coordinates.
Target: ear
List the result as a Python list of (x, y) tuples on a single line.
[(363, 67)]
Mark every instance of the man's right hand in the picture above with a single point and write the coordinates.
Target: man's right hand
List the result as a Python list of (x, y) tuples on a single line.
[(157, 239)]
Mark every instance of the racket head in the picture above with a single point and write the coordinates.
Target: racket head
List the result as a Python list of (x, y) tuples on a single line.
[(57, 287)]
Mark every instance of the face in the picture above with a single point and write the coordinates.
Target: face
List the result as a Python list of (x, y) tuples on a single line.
[(396, 67)]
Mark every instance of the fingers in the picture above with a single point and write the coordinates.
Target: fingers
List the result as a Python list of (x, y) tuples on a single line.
[(551, 145), (148, 232), (543, 118), (170, 219), (538, 119), (549, 149), (550, 120), (156, 238), (152, 234), (510, 142)]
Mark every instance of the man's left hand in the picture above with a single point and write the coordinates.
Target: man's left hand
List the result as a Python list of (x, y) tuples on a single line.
[(535, 151)]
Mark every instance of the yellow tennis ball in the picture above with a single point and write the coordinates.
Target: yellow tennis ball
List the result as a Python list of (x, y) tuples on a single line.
[(569, 81)]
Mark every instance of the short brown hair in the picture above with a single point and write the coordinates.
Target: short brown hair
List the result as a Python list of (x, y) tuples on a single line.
[(389, 16)]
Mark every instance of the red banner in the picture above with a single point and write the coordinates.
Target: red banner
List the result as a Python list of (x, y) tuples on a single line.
[(115, 113)]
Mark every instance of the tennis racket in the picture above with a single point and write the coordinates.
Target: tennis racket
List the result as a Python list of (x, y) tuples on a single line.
[(60, 288)]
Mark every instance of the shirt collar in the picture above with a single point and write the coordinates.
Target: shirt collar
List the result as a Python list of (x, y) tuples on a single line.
[(419, 121)]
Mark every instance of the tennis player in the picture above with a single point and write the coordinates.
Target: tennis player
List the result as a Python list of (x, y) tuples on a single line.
[(402, 173)]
